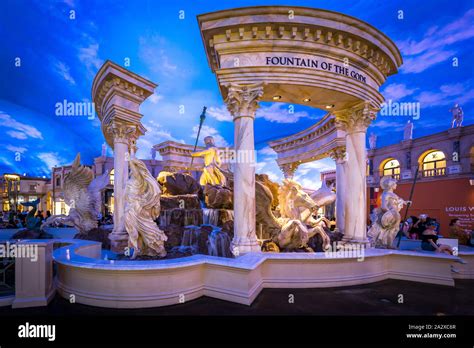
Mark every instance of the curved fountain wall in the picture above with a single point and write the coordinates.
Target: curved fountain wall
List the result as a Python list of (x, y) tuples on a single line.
[(93, 280)]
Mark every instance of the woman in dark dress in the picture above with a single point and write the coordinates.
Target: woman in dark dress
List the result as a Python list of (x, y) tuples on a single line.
[(429, 240)]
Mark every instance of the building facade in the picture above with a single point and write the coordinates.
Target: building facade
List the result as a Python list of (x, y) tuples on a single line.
[(17, 188), (444, 165)]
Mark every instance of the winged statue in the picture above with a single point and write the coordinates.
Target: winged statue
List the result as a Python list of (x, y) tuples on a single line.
[(82, 192)]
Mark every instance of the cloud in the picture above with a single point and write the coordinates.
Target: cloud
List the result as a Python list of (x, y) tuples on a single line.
[(17, 135), (426, 60), (63, 70), (20, 130), (315, 166), (163, 58), (431, 49), (155, 98), (50, 160), (155, 134), (210, 131), (447, 94), (267, 151), (277, 112), (396, 91), (89, 56), (13, 148), (220, 113), (392, 125)]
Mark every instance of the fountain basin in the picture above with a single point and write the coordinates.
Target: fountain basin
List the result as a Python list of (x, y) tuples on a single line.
[(140, 284)]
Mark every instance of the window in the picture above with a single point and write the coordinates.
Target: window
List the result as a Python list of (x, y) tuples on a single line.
[(58, 181), (391, 168), (111, 176), (434, 164)]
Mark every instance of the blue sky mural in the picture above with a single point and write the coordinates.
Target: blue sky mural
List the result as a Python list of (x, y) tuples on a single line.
[(47, 57)]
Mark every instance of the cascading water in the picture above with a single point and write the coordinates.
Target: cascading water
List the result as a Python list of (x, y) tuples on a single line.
[(218, 243), (191, 238), (165, 217), (212, 216), (190, 217)]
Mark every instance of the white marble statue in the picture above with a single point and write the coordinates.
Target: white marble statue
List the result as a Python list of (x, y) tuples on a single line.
[(408, 131), (386, 219), (372, 141), (142, 208), (458, 116), (83, 194), (296, 217), (211, 173)]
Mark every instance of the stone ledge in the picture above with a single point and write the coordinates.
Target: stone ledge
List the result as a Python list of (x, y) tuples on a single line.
[(141, 284)]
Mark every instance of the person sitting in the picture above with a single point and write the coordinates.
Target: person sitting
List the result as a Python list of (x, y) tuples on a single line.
[(462, 235), (420, 225), (406, 228), (429, 239)]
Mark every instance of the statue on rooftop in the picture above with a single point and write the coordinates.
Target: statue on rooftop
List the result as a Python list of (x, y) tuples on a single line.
[(372, 141), (458, 116), (212, 173), (408, 131)]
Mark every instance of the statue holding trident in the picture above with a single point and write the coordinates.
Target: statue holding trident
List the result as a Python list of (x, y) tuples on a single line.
[(211, 173)]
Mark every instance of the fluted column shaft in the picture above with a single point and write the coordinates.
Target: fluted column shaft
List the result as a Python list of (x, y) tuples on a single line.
[(354, 122), (121, 134), (242, 102)]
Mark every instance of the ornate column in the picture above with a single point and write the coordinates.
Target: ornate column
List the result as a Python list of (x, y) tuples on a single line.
[(242, 102), (117, 94), (339, 156), (288, 169), (354, 122), (122, 136)]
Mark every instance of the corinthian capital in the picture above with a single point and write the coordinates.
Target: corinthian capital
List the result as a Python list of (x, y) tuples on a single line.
[(357, 118), (338, 154), (288, 169), (242, 100), (122, 132)]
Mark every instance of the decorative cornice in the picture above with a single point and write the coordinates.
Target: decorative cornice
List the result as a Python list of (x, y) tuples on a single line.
[(309, 25), (242, 100), (319, 129)]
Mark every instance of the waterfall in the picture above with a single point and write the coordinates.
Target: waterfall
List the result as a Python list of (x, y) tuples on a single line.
[(191, 218), (165, 217), (191, 238), (214, 216), (218, 243), (210, 216)]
